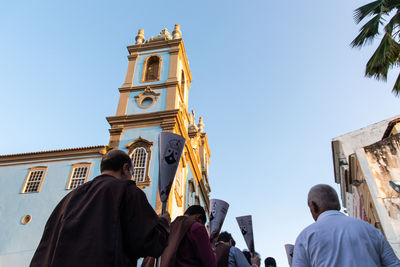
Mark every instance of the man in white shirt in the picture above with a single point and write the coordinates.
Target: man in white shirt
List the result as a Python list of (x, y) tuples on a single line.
[(338, 240)]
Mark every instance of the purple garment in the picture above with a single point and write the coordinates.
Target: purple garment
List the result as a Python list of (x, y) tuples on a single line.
[(195, 249)]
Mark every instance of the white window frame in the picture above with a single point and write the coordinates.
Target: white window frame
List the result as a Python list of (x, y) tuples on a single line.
[(31, 172), (142, 169), (71, 175)]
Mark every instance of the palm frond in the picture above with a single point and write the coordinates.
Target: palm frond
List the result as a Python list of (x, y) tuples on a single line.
[(393, 24), (396, 87), (391, 4), (368, 31), (370, 9), (384, 57)]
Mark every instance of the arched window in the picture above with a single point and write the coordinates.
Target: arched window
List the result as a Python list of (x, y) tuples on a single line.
[(139, 151), (183, 85), (152, 69), (139, 160)]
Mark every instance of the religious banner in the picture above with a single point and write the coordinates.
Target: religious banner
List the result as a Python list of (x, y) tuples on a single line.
[(218, 211), (289, 253), (170, 152), (246, 227)]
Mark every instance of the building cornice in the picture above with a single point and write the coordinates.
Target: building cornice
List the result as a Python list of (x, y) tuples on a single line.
[(154, 45), (143, 87), (53, 154), (159, 117)]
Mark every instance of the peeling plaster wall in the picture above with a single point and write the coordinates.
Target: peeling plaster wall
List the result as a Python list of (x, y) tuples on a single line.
[(345, 145), (384, 160)]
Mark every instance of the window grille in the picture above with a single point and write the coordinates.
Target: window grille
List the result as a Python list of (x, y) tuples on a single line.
[(35, 177), (139, 161), (152, 68), (78, 176)]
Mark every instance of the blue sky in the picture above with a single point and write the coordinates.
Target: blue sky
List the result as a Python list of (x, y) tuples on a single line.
[(275, 82)]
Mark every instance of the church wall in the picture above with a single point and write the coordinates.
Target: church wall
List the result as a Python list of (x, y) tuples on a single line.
[(151, 134), (17, 241), (176, 210), (160, 104), (189, 196), (137, 77)]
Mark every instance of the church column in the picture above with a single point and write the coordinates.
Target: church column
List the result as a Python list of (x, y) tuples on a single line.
[(124, 96), (131, 70), (115, 136), (173, 65)]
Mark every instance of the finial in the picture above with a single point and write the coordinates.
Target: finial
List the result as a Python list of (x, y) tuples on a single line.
[(201, 125), (192, 128), (140, 37), (176, 34)]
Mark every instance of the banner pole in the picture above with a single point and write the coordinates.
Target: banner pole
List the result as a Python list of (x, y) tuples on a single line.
[(163, 210)]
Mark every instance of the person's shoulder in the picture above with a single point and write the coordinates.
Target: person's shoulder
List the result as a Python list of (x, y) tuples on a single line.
[(306, 232), (234, 250), (197, 227), (115, 181), (115, 184), (309, 229), (348, 220), (362, 224)]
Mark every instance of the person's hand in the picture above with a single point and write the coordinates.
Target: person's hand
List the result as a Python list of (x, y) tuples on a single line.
[(214, 236), (166, 217), (255, 261)]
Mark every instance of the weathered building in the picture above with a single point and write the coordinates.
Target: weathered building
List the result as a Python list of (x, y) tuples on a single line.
[(365, 163), (153, 98)]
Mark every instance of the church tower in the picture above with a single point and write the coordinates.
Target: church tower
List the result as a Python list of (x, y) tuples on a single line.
[(154, 98)]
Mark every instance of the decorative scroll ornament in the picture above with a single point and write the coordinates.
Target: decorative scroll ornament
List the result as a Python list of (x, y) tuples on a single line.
[(164, 35), (147, 98)]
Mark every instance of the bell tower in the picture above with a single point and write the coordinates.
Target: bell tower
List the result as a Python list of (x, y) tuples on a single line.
[(154, 98), (157, 82)]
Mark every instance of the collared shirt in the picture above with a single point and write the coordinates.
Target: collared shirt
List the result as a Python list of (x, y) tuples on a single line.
[(237, 258), (338, 240)]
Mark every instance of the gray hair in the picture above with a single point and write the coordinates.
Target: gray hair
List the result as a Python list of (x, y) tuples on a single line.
[(324, 196)]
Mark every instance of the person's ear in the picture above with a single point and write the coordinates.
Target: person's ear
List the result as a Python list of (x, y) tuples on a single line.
[(315, 207), (126, 170), (198, 218)]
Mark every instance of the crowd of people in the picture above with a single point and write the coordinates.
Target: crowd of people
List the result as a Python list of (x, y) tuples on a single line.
[(109, 222)]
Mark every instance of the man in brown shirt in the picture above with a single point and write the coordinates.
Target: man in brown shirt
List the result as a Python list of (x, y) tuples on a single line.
[(105, 222)]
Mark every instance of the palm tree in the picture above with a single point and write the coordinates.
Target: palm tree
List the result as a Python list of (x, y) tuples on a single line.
[(387, 55)]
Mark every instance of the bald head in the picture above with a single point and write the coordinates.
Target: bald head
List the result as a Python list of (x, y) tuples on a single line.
[(114, 161), (322, 197)]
